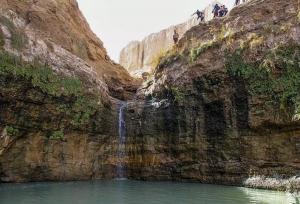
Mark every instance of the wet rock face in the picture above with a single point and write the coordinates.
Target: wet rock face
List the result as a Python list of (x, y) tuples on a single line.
[(40, 139), (207, 138)]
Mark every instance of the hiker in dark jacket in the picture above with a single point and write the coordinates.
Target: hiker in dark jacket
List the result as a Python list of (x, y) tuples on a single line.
[(200, 15), (175, 37), (216, 10), (223, 11), (237, 2)]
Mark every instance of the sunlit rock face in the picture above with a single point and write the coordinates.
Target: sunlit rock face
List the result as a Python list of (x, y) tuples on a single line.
[(139, 57), (57, 33)]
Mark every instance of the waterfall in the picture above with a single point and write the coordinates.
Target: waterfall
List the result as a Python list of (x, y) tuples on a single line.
[(122, 140)]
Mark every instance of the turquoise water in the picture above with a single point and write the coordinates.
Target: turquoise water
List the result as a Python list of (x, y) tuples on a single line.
[(136, 192)]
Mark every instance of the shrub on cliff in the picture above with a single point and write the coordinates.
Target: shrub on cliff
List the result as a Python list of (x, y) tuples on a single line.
[(165, 58), (57, 135), (40, 76), (177, 94), (197, 51), (11, 131)]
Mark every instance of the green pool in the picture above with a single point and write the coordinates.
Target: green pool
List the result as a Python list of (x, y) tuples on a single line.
[(137, 192)]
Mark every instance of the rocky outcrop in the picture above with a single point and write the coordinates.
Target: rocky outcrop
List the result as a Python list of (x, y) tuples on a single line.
[(139, 57)]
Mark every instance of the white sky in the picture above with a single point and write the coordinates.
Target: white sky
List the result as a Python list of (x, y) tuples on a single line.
[(117, 22)]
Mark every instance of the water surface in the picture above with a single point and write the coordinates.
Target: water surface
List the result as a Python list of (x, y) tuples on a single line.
[(137, 192)]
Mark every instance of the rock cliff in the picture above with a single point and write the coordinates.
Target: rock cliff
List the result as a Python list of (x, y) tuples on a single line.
[(225, 106), (221, 109), (57, 94), (139, 57)]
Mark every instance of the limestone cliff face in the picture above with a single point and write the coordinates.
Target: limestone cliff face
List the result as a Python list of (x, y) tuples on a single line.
[(137, 57)]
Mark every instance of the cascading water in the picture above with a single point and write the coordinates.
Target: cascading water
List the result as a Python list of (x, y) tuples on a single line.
[(122, 140)]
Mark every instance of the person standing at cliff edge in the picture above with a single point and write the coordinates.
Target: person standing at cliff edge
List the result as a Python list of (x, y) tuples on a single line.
[(175, 37), (216, 10), (200, 15)]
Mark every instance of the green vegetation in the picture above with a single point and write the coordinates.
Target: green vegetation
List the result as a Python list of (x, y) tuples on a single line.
[(11, 131), (18, 38), (57, 135), (283, 28), (165, 58), (277, 75), (40, 76), (177, 94), (81, 106), (196, 52), (84, 108), (168, 60)]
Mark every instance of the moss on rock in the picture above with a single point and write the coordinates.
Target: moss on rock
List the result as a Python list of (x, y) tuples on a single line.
[(276, 75), (81, 103)]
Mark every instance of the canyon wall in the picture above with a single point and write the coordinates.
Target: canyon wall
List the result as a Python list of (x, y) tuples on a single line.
[(138, 57), (221, 109)]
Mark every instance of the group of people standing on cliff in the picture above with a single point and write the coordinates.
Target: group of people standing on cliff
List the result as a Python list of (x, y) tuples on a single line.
[(218, 11)]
